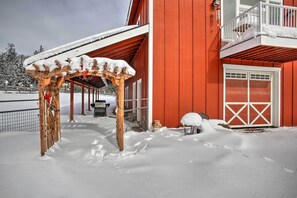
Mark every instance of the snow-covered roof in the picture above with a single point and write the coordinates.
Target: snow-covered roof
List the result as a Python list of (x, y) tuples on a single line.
[(82, 64), (79, 43)]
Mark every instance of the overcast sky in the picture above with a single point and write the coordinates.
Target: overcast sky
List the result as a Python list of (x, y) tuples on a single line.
[(31, 23)]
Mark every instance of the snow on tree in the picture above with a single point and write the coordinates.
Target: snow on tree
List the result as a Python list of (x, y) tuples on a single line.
[(11, 67)]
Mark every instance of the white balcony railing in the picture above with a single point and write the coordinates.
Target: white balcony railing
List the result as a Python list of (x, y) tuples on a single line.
[(261, 19)]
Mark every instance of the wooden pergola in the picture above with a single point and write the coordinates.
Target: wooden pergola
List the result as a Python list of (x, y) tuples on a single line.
[(51, 75)]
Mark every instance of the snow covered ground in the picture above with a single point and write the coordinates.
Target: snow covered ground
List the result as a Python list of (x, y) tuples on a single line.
[(86, 163)]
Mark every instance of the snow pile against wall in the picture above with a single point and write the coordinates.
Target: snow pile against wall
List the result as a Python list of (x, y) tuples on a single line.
[(75, 44), (85, 63), (277, 31), (191, 119)]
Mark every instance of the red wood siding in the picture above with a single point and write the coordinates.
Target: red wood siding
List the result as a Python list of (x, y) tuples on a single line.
[(140, 64), (199, 56), (171, 57), (186, 60), (159, 62), (140, 61), (187, 73), (142, 12)]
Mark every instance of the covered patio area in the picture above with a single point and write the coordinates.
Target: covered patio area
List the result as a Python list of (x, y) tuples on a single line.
[(74, 62)]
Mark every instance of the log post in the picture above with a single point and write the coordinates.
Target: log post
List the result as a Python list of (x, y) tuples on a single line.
[(56, 98), (89, 99), (71, 101), (93, 95), (49, 118), (58, 113), (120, 112), (43, 143), (82, 99)]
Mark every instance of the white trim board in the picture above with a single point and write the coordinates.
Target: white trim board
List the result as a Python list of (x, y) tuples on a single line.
[(258, 41), (150, 65), (251, 68), (275, 91)]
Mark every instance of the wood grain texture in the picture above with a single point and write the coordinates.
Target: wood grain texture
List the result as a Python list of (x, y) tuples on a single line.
[(186, 58), (171, 59)]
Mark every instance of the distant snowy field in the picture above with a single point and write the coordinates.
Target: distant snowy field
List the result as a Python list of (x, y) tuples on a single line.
[(86, 163)]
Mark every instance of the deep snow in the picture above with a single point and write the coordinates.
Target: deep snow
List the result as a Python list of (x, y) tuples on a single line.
[(86, 163)]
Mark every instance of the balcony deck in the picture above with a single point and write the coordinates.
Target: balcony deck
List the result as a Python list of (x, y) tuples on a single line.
[(265, 32)]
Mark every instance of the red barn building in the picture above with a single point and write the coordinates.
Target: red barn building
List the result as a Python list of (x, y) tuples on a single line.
[(231, 59)]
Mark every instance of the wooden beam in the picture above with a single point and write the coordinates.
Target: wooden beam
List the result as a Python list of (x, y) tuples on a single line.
[(57, 113), (71, 116), (82, 99), (43, 143), (89, 99), (46, 68), (93, 95), (95, 67), (36, 67), (50, 126), (60, 81), (120, 112), (46, 81)]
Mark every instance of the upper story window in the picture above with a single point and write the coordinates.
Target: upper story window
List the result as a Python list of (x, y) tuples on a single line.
[(233, 8)]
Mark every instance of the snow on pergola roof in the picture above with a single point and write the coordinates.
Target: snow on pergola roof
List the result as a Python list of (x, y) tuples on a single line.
[(53, 53), (104, 67), (51, 74)]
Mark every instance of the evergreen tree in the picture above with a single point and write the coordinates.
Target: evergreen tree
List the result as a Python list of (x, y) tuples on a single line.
[(41, 49), (11, 67), (11, 64), (2, 69)]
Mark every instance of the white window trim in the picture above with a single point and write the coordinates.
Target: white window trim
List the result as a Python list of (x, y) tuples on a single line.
[(134, 97), (139, 99), (126, 96)]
